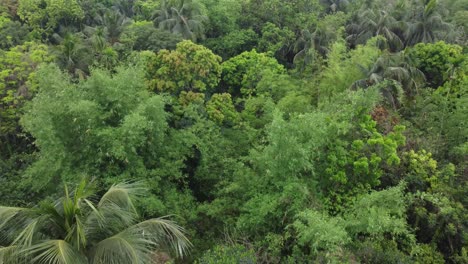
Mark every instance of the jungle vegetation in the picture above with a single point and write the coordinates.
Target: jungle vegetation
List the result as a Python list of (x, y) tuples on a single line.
[(233, 131)]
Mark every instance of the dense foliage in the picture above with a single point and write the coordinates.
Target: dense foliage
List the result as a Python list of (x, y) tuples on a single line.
[(300, 131)]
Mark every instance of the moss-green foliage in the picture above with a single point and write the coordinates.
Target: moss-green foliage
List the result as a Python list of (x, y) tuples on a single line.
[(233, 43), (274, 39), (295, 14), (18, 82), (13, 32), (45, 15), (142, 35), (378, 214), (235, 254), (320, 232), (440, 113), (189, 67), (344, 67), (81, 129), (220, 109), (242, 73), (440, 220), (437, 61), (357, 166)]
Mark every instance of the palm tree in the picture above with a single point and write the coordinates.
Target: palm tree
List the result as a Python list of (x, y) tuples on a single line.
[(395, 75), (427, 24), (182, 17), (74, 229), (125, 7), (97, 38), (333, 6), (114, 24), (306, 48), (379, 23), (72, 53), (311, 44)]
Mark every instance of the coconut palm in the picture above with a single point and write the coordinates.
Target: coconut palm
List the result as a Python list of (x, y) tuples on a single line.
[(427, 25), (378, 23), (311, 44), (75, 229), (395, 75), (71, 53), (114, 24), (184, 17), (305, 48)]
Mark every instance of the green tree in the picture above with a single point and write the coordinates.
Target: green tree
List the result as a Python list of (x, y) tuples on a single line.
[(13, 32), (189, 67), (221, 109), (319, 231), (45, 16), (396, 76), (74, 229), (142, 35), (294, 14), (228, 254), (276, 41), (440, 115), (17, 85), (438, 220), (105, 126), (144, 9), (438, 61), (341, 71), (242, 73), (223, 16), (233, 43)]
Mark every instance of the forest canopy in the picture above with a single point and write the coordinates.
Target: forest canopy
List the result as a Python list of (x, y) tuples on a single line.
[(233, 131)]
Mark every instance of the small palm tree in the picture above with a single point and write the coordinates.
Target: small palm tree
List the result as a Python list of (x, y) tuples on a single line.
[(74, 229), (184, 17)]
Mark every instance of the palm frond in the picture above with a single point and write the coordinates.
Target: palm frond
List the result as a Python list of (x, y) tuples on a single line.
[(26, 236), (53, 252), (7, 214), (77, 234), (164, 233), (8, 255), (122, 248), (121, 195)]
